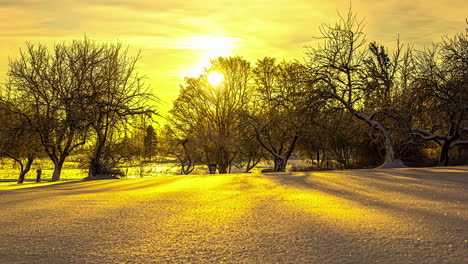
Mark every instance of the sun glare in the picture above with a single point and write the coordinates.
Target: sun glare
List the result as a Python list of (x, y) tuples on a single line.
[(205, 48), (215, 78)]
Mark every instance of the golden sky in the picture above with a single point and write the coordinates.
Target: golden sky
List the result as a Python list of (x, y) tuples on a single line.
[(177, 37)]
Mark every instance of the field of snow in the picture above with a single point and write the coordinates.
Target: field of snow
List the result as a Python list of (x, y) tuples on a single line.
[(409, 215)]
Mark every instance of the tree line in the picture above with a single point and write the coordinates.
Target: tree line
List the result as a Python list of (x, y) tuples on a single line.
[(354, 102), (351, 103)]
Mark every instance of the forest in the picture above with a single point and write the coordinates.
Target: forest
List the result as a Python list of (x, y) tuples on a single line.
[(350, 103)]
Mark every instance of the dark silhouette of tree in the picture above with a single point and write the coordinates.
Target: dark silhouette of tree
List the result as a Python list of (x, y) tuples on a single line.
[(47, 89), (76, 91), (249, 151), (176, 142), (282, 112), (150, 143), (213, 113), (17, 141), (442, 82), (343, 69), (118, 93)]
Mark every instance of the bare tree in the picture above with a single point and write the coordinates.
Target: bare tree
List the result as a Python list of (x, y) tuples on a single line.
[(214, 112), (249, 151), (49, 96), (341, 68), (177, 143), (17, 141), (117, 93), (443, 89), (281, 114), (64, 92)]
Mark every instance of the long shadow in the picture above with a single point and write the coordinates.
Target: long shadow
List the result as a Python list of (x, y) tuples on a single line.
[(13, 180), (348, 192), (16, 197), (428, 189), (434, 174), (75, 185), (40, 185)]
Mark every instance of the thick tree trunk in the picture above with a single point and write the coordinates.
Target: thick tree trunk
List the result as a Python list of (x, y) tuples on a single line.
[(320, 159), (444, 153), (57, 169), (446, 142), (95, 164), (22, 176), (317, 157), (222, 169), (26, 169), (223, 162), (247, 166), (95, 167), (280, 165), (390, 160)]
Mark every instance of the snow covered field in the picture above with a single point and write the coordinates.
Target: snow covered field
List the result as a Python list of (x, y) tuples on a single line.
[(358, 216)]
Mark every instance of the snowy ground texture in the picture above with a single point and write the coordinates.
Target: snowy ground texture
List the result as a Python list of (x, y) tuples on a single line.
[(393, 216)]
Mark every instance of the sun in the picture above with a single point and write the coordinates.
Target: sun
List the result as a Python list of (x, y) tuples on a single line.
[(204, 48), (215, 78)]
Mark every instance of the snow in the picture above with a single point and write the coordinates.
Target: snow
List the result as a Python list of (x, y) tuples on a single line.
[(407, 215), (394, 164)]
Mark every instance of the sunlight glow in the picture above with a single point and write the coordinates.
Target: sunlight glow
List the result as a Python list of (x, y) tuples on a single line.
[(207, 47), (215, 78)]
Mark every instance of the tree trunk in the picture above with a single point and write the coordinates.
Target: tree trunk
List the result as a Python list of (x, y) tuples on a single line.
[(247, 166), (444, 154), (26, 169), (321, 159), (22, 176), (251, 164), (317, 158), (95, 166), (222, 169), (390, 160), (389, 151), (57, 169), (223, 162), (280, 165)]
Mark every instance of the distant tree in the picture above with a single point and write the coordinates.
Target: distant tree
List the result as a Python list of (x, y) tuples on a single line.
[(118, 93), (18, 142), (182, 146), (442, 88), (312, 148), (213, 113), (249, 151), (344, 137), (282, 111), (150, 143), (121, 149)]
